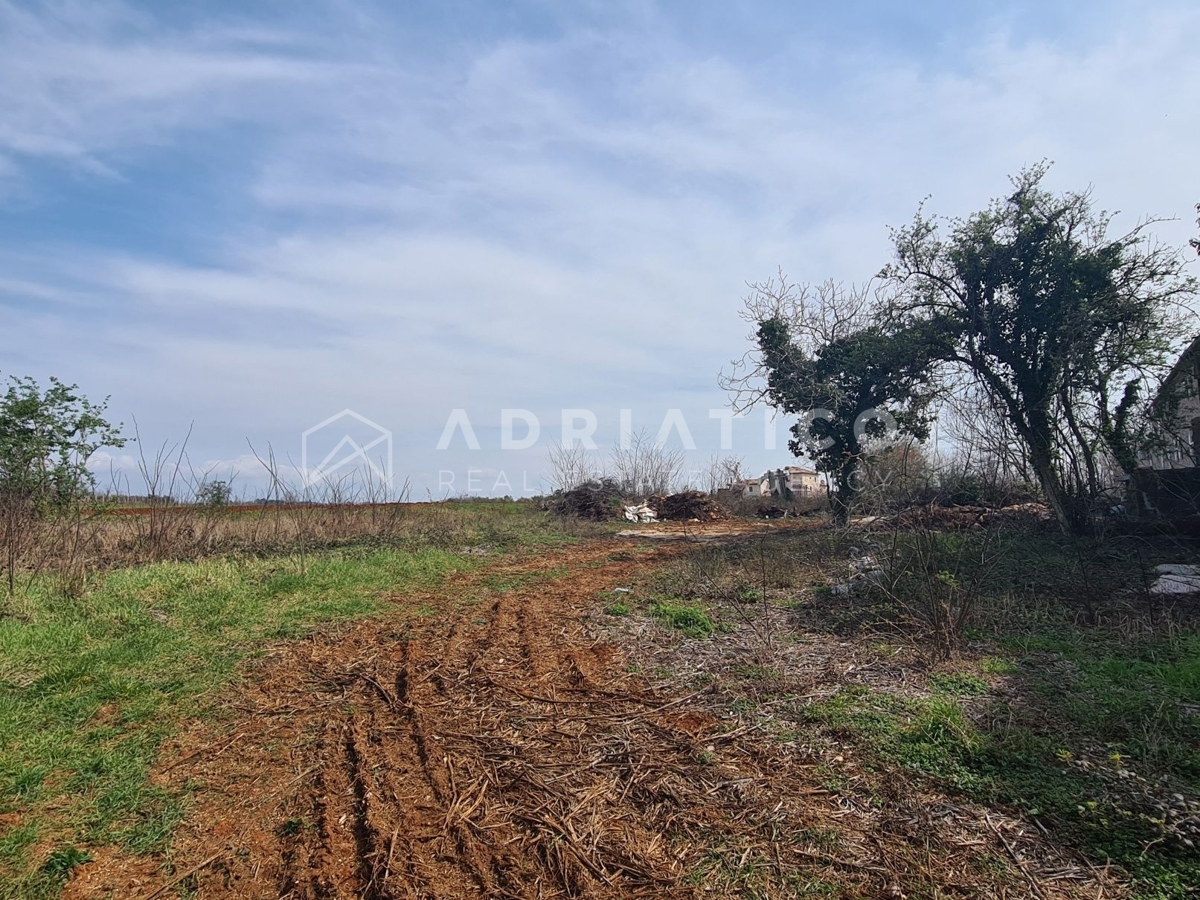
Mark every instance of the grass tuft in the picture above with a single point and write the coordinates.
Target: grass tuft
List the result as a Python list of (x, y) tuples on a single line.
[(691, 620)]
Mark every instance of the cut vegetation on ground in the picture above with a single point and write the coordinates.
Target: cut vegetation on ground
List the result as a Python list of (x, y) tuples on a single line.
[(507, 704)]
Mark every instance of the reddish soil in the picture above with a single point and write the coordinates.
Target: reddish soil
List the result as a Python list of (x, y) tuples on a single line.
[(495, 749)]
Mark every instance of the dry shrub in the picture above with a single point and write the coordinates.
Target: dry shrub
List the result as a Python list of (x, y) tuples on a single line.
[(687, 505)]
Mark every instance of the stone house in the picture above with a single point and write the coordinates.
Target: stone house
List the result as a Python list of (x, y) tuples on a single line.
[(789, 481), (1167, 483), (1178, 407)]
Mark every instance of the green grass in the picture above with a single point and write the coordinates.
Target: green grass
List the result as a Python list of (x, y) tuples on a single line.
[(1080, 708), (1116, 702), (1066, 662), (958, 683), (90, 687), (688, 618)]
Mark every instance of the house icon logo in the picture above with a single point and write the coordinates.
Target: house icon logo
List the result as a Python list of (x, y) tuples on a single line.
[(357, 444)]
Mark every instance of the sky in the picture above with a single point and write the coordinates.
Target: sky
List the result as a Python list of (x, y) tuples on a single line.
[(240, 219)]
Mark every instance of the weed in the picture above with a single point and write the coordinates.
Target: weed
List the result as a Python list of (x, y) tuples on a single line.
[(291, 827), (995, 665), (691, 620), (961, 684), (60, 862)]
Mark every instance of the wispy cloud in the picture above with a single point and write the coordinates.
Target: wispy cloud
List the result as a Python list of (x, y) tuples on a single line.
[(551, 217)]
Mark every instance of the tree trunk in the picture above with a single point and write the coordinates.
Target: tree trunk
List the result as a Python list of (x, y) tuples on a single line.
[(1072, 519), (843, 499)]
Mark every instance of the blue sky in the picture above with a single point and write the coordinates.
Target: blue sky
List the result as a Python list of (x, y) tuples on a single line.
[(247, 217)]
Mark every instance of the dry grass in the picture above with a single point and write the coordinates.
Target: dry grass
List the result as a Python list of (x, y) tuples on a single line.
[(73, 548)]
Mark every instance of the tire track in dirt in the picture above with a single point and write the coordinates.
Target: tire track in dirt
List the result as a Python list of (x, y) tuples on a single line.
[(357, 771)]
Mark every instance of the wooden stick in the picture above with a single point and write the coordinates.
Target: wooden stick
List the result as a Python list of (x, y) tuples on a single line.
[(1033, 884)]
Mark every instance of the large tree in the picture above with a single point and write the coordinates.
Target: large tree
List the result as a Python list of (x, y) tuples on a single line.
[(855, 379), (1059, 323)]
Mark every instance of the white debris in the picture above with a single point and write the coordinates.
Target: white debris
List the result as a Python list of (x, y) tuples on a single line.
[(864, 570), (642, 513), (864, 564), (1176, 569), (865, 520), (1174, 585)]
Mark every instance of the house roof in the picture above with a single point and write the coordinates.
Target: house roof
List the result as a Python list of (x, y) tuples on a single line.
[(1176, 372), (799, 470)]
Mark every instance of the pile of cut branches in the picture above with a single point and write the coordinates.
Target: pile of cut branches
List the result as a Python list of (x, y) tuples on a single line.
[(688, 505), (596, 500)]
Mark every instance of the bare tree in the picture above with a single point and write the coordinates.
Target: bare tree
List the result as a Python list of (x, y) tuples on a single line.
[(570, 466), (896, 475), (816, 316), (645, 467), (722, 472)]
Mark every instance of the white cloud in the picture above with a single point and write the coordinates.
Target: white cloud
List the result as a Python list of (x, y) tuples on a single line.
[(547, 224), (79, 81)]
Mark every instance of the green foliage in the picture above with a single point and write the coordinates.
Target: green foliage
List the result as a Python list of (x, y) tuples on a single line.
[(746, 594), (691, 620), (848, 377), (962, 684), (291, 827), (46, 439), (1056, 320), (214, 494)]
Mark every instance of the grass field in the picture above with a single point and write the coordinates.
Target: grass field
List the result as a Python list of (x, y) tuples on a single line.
[(90, 685)]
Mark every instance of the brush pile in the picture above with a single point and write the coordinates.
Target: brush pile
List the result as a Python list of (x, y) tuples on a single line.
[(688, 505), (596, 500), (961, 518)]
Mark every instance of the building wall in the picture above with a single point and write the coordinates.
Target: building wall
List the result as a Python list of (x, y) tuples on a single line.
[(1164, 494), (800, 482), (1181, 450), (804, 482), (754, 488), (1182, 435)]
